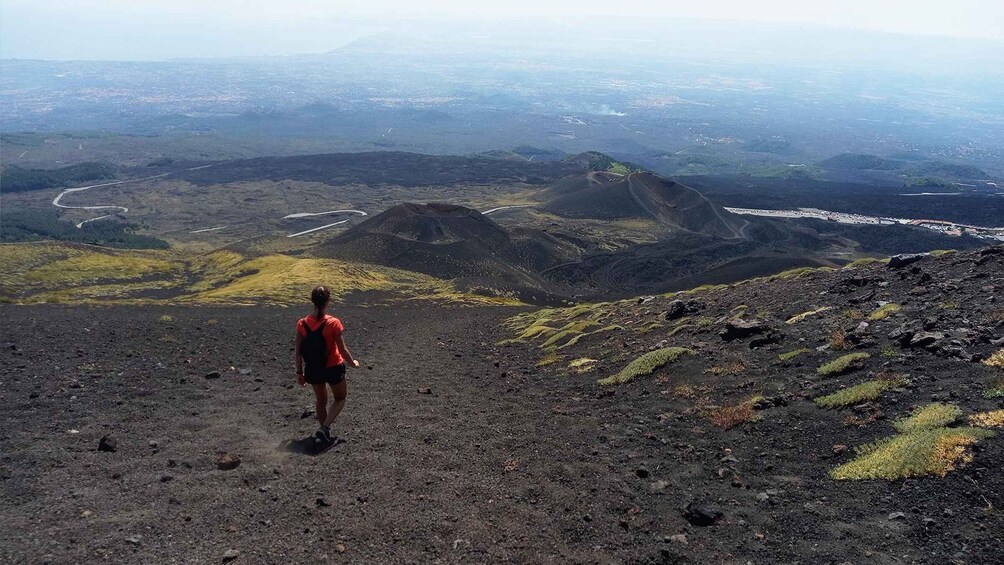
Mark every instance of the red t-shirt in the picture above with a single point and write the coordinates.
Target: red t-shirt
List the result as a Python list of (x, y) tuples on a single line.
[(332, 330)]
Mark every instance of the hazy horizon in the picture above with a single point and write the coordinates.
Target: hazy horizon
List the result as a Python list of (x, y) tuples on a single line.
[(161, 30)]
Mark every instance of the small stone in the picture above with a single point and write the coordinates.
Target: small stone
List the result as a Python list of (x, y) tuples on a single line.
[(679, 538), (658, 486), (134, 540), (213, 375), (228, 462), (244, 371), (321, 503), (166, 478), (897, 516), (230, 555), (641, 473), (425, 391), (340, 547), (153, 444), (108, 444)]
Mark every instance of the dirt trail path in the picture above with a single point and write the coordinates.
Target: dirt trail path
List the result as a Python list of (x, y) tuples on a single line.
[(473, 472)]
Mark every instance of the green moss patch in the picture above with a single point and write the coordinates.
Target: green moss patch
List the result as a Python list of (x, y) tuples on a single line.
[(925, 452), (863, 392), (884, 311), (843, 364), (789, 355), (646, 364), (935, 415)]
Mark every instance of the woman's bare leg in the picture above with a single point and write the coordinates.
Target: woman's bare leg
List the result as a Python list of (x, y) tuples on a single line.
[(339, 392), (321, 406)]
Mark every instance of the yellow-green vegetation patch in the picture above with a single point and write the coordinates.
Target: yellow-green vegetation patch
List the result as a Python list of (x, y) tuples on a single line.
[(575, 339), (996, 360), (537, 331), (941, 252), (862, 392), (559, 337), (61, 272), (646, 364), (935, 451), (789, 355), (798, 318), (884, 311), (650, 327), (550, 358), (679, 329), (864, 261), (166, 319), (842, 364), (934, 415), (991, 419), (579, 326), (582, 364)]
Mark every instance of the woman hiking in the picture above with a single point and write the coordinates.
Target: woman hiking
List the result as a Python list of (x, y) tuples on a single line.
[(321, 357)]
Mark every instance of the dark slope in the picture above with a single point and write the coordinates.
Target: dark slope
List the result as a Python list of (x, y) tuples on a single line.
[(452, 242), (384, 167), (608, 196)]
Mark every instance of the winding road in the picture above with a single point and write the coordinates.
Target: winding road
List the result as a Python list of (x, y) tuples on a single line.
[(121, 209)]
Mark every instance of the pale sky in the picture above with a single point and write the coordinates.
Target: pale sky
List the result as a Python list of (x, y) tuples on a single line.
[(161, 29)]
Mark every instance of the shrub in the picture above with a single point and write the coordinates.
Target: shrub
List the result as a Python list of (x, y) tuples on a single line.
[(728, 417), (165, 318), (842, 364), (995, 389), (728, 368), (934, 415), (789, 355), (996, 360), (925, 452), (884, 311), (646, 364), (863, 392), (838, 340), (853, 314), (991, 419)]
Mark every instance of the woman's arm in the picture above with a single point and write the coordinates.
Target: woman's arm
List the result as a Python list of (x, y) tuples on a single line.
[(299, 360), (340, 341)]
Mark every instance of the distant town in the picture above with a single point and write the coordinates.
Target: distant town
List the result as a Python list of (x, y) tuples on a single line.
[(947, 228)]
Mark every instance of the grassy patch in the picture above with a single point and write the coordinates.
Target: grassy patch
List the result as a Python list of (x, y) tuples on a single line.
[(166, 319), (843, 364), (728, 368), (582, 364), (996, 360), (864, 261), (995, 389), (550, 358), (575, 339), (934, 415), (991, 419), (789, 355), (798, 318), (863, 392), (884, 311), (935, 451), (728, 417), (646, 364), (558, 337)]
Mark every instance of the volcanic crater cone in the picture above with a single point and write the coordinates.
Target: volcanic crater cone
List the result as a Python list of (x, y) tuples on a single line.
[(449, 241), (611, 196)]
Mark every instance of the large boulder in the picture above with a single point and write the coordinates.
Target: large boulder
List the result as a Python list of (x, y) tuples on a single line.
[(900, 261), (741, 329)]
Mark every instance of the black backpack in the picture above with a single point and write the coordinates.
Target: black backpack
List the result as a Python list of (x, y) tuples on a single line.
[(314, 349)]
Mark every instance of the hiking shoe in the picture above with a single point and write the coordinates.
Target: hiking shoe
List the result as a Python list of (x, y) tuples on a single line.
[(324, 434)]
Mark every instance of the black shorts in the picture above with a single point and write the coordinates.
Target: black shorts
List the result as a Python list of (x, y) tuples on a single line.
[(330, 375)]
